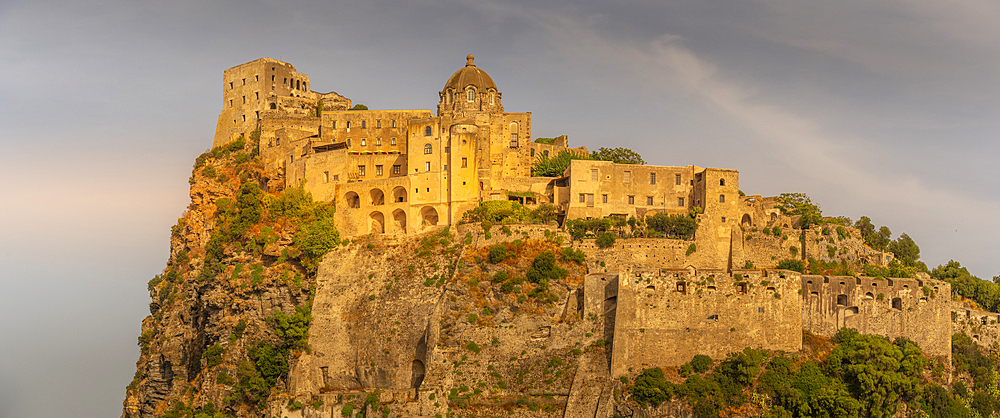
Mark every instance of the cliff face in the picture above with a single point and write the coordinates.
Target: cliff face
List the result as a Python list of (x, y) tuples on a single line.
[(229, 272)]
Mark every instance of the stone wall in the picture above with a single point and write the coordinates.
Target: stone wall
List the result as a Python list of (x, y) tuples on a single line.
[(916, 309), (983, 327), (665, 317)]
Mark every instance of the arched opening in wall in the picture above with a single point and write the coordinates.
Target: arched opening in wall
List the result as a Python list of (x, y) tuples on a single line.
[(814, 294), (809, 282), (429, 216), (770, 289), (826, 279), (377, 223), (451, 96), (650, 288), (722, 182), (513, 134), (417, 371), (774, 216), (842, 300), (746, 221), (711, 288), (742, 287), (924, 300), (399, 217), (850, 311), (274, 106), (869, 296), (399, 194), (858, 279), (427, 131), (890, 282), (378, 198), (897, 304), (353, 200)]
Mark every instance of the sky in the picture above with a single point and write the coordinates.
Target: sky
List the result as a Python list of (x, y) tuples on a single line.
[(886, 109)]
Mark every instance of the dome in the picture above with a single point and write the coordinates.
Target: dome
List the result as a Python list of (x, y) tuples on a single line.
[(470, 75)]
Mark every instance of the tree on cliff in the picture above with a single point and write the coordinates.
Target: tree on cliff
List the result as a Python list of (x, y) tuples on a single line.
[(546, 166), (798, 204), (617, 155)]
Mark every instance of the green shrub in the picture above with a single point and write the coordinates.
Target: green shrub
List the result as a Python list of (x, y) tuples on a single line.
[(700, 363), (572, 255), (501, 276), (347, 410), (213, 355), (605, 239), (544, 268), (497, 253), (293, 329), (691, 249), (473, 347), (651, 388), (791, 264), (223, 379)]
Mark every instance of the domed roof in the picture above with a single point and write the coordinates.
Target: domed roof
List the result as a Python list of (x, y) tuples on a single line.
[(470, 75)]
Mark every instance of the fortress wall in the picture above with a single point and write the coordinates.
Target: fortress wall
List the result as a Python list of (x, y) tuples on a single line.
[(620, 181), (376, 209), (764, 251), (983, 327), (650, 252), (665, 317), (911, 308), (278, 133)]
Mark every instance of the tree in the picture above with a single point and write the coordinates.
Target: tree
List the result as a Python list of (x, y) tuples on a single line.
[(617, 155), (359, 106), (880, 374), (793, 204), (546, 166), (906, 251)]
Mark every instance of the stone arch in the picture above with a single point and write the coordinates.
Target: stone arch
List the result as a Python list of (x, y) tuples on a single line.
[(897, 304), (378, 198), (427, 131), (418, 371), (377, 223), (399, 217), (842, 300), (353, 200), (746, 221), (274, 106), (869, 296), (429, 216), (722, 182), (850, 311), (399, 194)]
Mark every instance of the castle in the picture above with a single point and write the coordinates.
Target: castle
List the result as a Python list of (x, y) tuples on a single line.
[(401, 172)]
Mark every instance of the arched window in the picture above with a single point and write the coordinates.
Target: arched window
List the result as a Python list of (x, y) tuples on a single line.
[(428, 149), (722, 182), (722, 198), (274, 106), (491, 98), (470, 95), (451, 96), (427, 131)]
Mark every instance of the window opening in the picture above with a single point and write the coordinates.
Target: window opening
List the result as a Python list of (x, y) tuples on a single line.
[(897, 304), (428, 149), (396, 169), (378, 142), (427, 131), (649, 200), (583, 198), (722, 198), (652, 178), (593, 175), (326, 177), (628, 177), (378, 170), (491, 97), (680, 201), (631, 200), (364, 124), (427, 167), (465, 162), (361, 170), (470, 95), (722, 182), (378, 123), (604, 198), (677, 179), (392, 142)]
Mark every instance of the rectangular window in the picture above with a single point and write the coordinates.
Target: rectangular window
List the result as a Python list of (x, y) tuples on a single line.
[(649, 200), (348, 125), (628, 177), (244, 99), (336, 177), (230, 103), (465, 162), (348, 142), (392, 142), (364, 141), (447, 149), (513, 140), (326, 177), (677, 179), (257, 93), (361, 170), (631, 200), (652, 178), (244, 81), (393, 123), (427, 166), (680, 201), (593, 175), (590, 200), (378, 142), (364, 124), (378, 123), (334, 124), (378, 170), (277, 141), (604, 198), (396, 169), (583, 198), (230, 85)]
